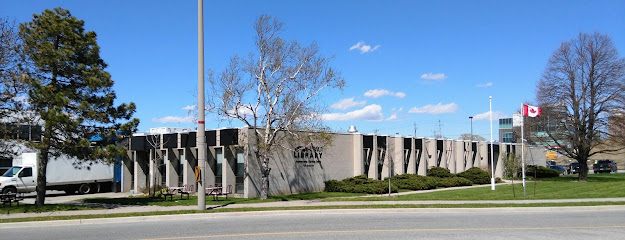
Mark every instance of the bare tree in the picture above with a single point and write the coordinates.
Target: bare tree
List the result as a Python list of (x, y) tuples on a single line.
[(467, 136), (12, 88), (274, 91), (582, 86)]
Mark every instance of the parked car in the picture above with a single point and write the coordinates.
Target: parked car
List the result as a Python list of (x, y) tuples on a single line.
[(604, 166), (558, 168), (574, 168)]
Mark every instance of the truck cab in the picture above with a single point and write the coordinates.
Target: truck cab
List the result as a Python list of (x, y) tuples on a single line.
[(18, 179)]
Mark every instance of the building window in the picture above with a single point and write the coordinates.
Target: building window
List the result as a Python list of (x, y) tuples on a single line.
[(161, 168), (181, 168), (508, 137), (220, 159), (240, 171)]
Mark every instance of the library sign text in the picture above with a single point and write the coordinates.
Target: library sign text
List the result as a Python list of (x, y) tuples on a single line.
[(308, 156)]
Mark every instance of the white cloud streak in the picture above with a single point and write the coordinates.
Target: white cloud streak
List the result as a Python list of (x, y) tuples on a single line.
[(486, 116), (392, 117), (434, 76), (189, 108), (435, 109), (347, 103), (488, 84), (174, 119), (371, 112), (363, 48), (376, 93)]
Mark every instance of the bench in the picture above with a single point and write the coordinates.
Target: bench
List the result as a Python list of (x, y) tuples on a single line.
[(187, 190), (11, 198), (220, 192), (169, 194)]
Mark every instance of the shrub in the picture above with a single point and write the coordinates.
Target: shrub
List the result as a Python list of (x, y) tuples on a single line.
[(359, 184), (455, 182), (438, 172), (415, 182), (476, 175), (541, 172)]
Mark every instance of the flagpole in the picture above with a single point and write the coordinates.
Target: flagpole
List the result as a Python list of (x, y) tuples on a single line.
[(492, 159), (523, 146)]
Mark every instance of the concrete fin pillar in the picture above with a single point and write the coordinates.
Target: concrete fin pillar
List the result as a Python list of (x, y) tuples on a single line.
[(359, 160), (171, 167), (228, 176), (459, 154), (483, 155), (189, 164), (499, 160), (373, 164), (141, 170), (399, 160), (430, 153)]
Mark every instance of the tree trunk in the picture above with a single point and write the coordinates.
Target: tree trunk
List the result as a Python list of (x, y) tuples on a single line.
[(265, 178), (583, 170), (41, 178)]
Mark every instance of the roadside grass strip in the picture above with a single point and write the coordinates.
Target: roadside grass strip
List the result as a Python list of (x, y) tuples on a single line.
[(253, 209)]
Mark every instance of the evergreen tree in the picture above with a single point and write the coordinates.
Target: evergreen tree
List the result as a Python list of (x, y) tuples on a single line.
[(71, 92)]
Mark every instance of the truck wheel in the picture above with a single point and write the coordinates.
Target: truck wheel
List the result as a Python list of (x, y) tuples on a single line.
[(95, 188), (9, 190), (84, 188)]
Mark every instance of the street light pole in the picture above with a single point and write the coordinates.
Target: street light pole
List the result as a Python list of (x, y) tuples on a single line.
[(201, 141), (492, 159)]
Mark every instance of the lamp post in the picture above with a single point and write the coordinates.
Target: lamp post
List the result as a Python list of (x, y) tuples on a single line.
[(471, 118)]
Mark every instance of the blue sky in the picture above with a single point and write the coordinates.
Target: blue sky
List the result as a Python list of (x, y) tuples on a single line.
[(405, 63)]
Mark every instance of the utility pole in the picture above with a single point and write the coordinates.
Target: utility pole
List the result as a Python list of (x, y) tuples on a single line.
[(201, 140)]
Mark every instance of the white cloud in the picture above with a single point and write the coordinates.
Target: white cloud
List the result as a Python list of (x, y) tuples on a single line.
[(486, 116), (392, 117), (371, 112), (174, 119), (363, 47), (347, 103), (488, 84), (435, 109), (376, 93), (242, 112), (434, 76), (189, 108)]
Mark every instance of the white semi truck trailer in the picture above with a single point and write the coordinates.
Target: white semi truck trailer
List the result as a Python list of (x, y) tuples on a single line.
[(62, 174)]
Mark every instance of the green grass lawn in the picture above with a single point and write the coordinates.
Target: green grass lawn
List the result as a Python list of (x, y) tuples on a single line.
[(27, 208), (563, 187)]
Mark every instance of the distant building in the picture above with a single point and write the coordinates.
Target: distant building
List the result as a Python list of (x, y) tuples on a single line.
[(169, 158)]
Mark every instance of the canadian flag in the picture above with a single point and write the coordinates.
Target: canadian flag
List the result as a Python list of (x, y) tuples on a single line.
[(531, 111)]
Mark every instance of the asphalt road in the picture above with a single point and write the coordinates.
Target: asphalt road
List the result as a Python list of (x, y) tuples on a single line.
[(531, 223)]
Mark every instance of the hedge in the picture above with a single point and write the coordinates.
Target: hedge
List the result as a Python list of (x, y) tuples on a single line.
[(415, 182), (439, 172), (475, 175), (541, 172), (359, 184)]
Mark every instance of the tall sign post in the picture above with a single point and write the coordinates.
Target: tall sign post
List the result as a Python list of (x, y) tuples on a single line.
[(201, 140)]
